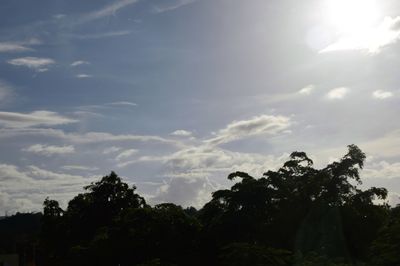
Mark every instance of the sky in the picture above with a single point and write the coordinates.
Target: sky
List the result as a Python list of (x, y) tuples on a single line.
[(173, 95)]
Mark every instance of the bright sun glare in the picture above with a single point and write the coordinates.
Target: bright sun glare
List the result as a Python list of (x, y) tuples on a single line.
[(350, 16)]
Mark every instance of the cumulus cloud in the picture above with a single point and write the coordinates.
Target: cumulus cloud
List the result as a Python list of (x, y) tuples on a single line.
[(186, 191), (30, 185), (181, 133), (36, 63), (9, 205), (338, 93), (50, 150), (79, 62), (258, 125), (381, 94), (11, 172), (37, 118), (207, 160), (371, 40)]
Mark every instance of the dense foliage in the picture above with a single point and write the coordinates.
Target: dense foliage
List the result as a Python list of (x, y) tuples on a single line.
[(297, 215)]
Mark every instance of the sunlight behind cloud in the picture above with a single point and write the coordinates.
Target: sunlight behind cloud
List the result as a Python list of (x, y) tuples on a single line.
[(370, 40), (351, 16), (359, 25)]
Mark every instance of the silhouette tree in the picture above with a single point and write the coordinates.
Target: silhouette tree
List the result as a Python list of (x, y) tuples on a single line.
[(296, 215), (298, 208)]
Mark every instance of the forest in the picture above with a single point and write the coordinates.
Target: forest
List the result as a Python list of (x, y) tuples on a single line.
[(296, 215)]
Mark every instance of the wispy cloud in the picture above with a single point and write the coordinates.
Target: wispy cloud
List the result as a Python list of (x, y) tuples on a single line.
[(36, 63), (37, 118), (5, 92), (79, 168), (307, 90), (108, 10), (22, 46), (122, 103), (50, 150), (100, 35), (171, 5), (371, 40), (59, 16), (13, 47), (111, 149), (79, 62), (126, 154), (85, 138)]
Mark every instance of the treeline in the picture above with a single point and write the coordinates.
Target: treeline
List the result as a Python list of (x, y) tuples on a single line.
[(297, 215)]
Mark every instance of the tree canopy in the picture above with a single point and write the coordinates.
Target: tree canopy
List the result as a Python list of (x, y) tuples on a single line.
[(296, 215)]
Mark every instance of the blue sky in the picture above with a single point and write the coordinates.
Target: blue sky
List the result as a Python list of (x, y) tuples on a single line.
[(174, 95)]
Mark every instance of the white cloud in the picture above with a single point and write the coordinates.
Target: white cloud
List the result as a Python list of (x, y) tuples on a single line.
[(106, 11), (126, 154), (35, 63), (307, 90), (381, 94), (382, 169), (22, 46), (393, 199), (172, 5), (79, 62), (186, 191), (37, 118), (25, 188), (258, 125), (371, 40), (181, 133), (50, 150), (83, 76), (337, 93), (11, 172)]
